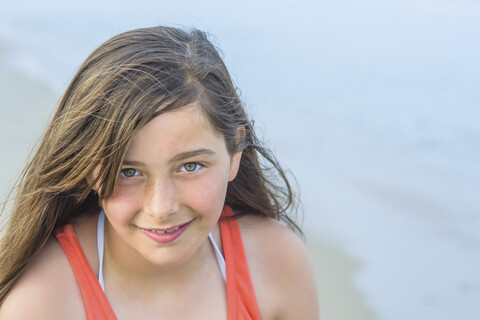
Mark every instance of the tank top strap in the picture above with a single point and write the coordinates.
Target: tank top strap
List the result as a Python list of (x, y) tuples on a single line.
[(94, 300), (241, 300), (220, 259)]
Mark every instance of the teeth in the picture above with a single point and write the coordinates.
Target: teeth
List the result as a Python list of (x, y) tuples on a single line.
[(166, 231)]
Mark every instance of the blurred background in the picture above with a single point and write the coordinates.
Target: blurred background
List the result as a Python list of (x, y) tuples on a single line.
[(373, 105)]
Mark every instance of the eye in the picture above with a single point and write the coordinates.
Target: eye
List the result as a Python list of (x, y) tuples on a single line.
[(128, 172), (191, 167)]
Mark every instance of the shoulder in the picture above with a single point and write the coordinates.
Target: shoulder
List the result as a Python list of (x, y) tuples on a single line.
[(47, 289), (280, 268)]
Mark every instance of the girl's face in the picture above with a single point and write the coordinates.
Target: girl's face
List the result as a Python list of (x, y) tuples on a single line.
[(171, 190)]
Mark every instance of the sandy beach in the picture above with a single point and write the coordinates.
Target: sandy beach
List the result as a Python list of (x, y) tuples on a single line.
[(339, 299), (373, 108)]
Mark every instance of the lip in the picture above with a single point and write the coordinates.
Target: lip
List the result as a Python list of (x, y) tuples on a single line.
[(165, 235)]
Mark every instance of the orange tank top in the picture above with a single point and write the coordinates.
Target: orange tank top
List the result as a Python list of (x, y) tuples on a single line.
[(241, 301)]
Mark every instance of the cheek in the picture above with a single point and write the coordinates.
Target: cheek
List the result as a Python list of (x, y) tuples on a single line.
[(207, 195), (122, 205)]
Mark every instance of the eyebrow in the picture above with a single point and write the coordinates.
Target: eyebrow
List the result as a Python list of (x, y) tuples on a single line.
[(177, 158), (190, 154)]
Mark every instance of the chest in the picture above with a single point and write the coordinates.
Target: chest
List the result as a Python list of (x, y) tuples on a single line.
[(203, 300)]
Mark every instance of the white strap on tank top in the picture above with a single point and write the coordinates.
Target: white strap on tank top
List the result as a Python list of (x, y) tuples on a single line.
[(100, 246)]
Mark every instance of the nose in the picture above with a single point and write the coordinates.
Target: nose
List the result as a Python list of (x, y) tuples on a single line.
[(160, 199)]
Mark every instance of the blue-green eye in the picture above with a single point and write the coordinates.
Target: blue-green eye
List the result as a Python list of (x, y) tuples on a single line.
[(190, 167), (128, 172)]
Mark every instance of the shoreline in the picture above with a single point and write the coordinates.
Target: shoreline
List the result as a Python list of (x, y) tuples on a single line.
[(334, 271)]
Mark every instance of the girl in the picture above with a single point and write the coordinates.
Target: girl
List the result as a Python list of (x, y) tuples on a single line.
[(147, 199)]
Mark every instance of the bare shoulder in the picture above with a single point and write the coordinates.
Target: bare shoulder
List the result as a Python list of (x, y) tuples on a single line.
[(46, 290), (280, 268)]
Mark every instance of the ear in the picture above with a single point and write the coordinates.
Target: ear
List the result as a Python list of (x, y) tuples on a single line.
[(234, 165), (236, 157)]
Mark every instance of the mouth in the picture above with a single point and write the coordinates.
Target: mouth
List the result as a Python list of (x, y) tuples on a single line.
[(161, 231), (165, 235)]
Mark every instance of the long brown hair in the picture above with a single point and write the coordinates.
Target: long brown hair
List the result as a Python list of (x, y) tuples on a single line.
[(121, 86)]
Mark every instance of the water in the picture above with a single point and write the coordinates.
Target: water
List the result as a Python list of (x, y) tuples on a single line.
[(373, 106)]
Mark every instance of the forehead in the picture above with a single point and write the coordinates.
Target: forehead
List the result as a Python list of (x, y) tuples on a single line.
[(174, 131)]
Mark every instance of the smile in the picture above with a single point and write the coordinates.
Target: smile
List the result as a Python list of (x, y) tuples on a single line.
[(165, 231), (166, 235)]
